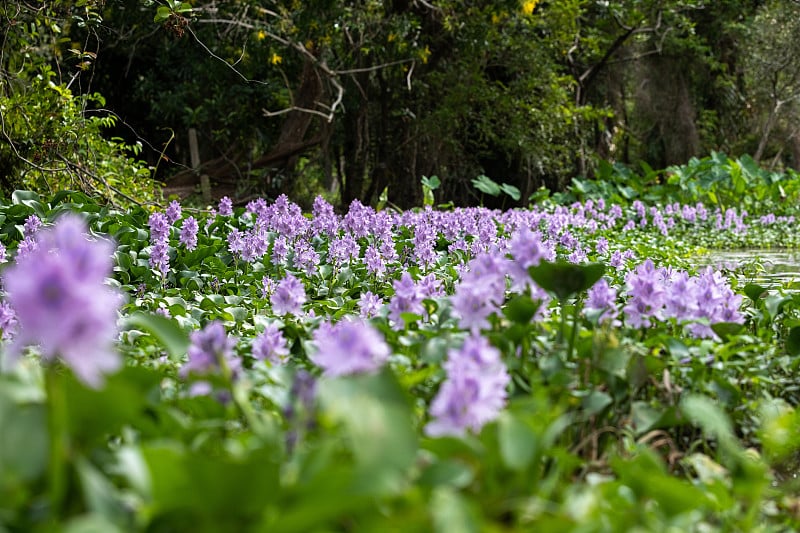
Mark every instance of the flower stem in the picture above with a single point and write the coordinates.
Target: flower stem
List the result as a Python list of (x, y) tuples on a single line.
[(59, 439)]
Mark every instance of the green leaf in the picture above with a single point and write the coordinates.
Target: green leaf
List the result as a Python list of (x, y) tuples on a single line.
[(432, 183), (23, 439), (486, 185), (172, 337), (793, 341), (754, 291), (566, 279), (704, 412), (450, 472), (726, 330), (125, 399), (521, 309), (596, 401), (774, 304), (451, 512), (511, 191), (24, 197), (99, 493), (162, 14), (376, 415), (29, 199), (218, 490), (517, 440)]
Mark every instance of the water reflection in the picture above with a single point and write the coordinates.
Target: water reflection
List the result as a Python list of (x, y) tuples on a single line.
[(771, 268)]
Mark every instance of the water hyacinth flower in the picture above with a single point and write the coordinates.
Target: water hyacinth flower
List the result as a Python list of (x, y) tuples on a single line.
[(209, 349), (25, 247), (8, 321), (474, 392), (270, 345), (189, 233), (288, 297), (62, 303), (349, 347), (32, 225), (225, 206), (173, 212), (369, 305), (159, 257), (602, 298), (407, 299), (159, 227)]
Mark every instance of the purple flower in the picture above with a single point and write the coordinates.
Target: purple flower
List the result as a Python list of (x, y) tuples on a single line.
[(32, 225), (159, 227), (374, 261), (601, 246), (210, 348), (602, 297), (430, 286), (324, 219), (267, 287), (173, 212), (646, 291), (343, 250), (305, 257), (349, 347), (8, 320), (62, 303), (225, 206), (26, 247), (189, 233), (369, 305), (474, 392), (3, 252), (474, 303), (289, 296), (481, 291), (159, 257), (235, 242), (280, 249), (406, 299), (270, 345)]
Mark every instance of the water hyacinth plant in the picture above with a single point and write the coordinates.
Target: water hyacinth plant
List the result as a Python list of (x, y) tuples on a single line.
[(560, 367)]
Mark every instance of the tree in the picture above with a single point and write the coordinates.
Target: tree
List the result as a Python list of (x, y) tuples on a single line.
[(772, 65), (49, 137)]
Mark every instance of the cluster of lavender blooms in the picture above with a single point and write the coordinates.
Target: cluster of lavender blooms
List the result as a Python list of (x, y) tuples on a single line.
[(60, 300), (660, 293), (490, 250), (279, 235), (28, 243), (159, 242), (474, 392), (349, 347), (211, 352)]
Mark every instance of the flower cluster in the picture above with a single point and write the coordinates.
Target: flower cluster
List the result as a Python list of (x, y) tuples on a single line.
[(211, 352), (658, 294), (349, 347), (159, 242), (474, 392), (288, 297), (61, 302)]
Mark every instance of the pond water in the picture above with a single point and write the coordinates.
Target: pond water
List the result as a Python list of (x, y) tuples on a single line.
[(771, 268)]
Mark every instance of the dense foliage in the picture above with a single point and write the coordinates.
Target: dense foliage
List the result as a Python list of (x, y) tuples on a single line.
[(362, 99), (53, 128), (563, 367)]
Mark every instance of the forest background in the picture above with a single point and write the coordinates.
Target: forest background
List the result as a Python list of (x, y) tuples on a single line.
[(363, 99)]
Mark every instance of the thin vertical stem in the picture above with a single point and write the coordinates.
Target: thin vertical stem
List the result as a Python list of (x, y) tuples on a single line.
[(59, 439)]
